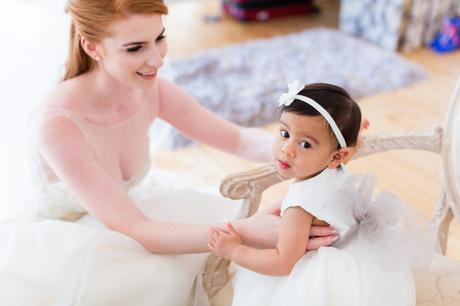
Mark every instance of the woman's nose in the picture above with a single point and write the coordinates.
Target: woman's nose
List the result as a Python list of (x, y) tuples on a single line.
[(155, 58)]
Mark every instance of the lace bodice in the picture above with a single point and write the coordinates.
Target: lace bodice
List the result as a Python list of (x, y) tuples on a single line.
[(122, 150)]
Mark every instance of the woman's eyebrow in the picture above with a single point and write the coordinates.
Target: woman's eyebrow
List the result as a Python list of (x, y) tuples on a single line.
[(142, 42)]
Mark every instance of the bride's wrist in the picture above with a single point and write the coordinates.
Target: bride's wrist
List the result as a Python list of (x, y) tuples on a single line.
[(241, 227)]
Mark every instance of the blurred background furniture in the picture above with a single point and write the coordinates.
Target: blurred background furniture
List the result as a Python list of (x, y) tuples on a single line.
[(262, 10), (396, 24)]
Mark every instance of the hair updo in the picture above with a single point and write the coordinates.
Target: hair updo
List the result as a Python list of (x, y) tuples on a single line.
[(91, 19)]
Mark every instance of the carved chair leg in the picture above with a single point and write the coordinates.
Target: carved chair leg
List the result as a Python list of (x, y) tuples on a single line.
[(440, 223), (215, 275), (250, 206)]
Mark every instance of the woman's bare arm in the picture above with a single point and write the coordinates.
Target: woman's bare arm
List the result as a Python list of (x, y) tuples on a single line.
[(185, 113), (65, 149)]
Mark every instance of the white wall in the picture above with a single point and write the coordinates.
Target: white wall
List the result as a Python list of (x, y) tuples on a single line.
[(32, 53)]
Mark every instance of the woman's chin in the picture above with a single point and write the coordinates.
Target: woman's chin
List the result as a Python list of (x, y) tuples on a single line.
[(144, 84)]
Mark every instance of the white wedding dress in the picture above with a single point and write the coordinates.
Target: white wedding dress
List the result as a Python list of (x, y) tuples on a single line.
[(65, 256), (368, 266)]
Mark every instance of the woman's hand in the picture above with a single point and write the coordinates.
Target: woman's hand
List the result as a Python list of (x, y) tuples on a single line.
[(321, 236)]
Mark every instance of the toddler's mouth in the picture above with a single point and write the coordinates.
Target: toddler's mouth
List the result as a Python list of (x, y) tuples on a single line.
[(283, 164)]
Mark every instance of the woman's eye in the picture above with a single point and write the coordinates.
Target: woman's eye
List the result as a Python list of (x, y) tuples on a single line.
[(134, 49), (160, 38), (284, 134), (305, 144)]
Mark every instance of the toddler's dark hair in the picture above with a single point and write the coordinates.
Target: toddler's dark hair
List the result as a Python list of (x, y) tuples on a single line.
[(337, 102)]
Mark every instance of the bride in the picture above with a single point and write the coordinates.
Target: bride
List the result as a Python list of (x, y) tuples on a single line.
[(102, 232)]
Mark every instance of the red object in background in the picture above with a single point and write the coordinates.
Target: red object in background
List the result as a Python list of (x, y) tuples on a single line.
[(264, 10)]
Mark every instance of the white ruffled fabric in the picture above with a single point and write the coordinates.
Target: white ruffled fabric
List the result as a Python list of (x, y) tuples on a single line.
[(82, 263), (370, 265)]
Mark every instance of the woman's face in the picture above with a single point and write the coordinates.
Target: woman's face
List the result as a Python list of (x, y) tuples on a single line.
[(303, 147), (135, 50)]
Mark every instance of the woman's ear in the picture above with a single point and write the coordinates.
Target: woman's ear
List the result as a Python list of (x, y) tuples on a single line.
[(338, 157), (90, 48)]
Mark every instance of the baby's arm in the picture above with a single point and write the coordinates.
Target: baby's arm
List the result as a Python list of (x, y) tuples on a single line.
[(278, 261)]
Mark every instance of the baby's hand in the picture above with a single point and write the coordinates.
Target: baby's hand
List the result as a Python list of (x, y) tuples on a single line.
[(224, 242)]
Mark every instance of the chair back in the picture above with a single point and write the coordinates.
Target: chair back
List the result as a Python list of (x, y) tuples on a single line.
[(451, 153)]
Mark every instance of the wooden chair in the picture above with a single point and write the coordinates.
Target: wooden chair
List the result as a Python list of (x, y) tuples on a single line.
[(441, 285)]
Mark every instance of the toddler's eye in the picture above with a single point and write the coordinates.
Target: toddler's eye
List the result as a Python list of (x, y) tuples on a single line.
[(305, 144), (284, 134)]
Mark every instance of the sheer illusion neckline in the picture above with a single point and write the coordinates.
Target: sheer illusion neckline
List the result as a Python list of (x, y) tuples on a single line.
[(130, 118)]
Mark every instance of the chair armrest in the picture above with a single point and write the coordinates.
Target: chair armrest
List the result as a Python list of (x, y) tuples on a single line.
[(427, 141), (249, 186)]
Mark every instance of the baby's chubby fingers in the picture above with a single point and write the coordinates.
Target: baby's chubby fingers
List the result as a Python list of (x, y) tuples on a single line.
[(231, 229), (211, 231), (212, 247)]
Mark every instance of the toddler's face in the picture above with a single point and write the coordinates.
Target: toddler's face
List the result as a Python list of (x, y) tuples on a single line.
[(303, 147)]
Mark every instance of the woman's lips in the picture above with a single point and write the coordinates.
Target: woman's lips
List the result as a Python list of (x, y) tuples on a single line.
[(147, 76), (283, 164)]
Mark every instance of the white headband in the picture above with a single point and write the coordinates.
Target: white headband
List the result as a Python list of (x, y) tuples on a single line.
[(287, 98)]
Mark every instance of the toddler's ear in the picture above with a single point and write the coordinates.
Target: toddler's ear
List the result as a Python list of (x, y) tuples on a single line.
[(339, 157)]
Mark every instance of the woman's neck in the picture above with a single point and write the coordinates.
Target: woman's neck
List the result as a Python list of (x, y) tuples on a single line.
[(108, 94)]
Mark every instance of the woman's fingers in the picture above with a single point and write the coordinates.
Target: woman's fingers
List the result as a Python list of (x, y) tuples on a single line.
[(274, 209), (318, 230), (365, 124), (317, 242)]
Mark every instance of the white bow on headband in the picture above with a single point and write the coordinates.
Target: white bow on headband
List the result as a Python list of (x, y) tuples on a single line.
[(287, 98)]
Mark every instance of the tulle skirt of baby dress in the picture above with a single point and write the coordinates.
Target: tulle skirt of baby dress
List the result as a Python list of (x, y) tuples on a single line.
[(372, 266), (56, 262)]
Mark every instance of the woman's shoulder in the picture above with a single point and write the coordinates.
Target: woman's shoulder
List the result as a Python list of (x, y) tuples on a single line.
[(52, 119), (168, 90), (64, 95)]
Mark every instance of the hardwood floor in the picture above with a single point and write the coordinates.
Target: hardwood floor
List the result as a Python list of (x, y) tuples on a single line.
[(414, 175)]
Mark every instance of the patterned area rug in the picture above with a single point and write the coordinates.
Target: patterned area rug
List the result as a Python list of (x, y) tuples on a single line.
[(243, 82)]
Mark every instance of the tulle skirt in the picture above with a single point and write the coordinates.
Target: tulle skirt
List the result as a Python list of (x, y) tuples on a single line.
[(54, 262), (331, 277), (372, 266)]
